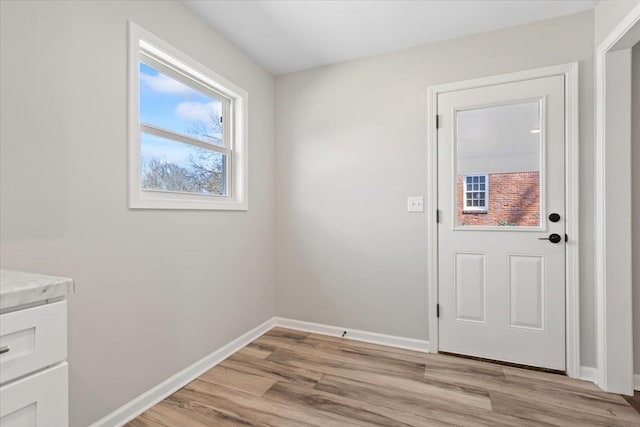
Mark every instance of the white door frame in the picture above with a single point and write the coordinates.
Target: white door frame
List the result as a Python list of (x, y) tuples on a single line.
[(613, 241), (570, 73)]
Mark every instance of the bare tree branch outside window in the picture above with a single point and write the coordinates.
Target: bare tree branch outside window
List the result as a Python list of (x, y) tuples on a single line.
[(204, 171)]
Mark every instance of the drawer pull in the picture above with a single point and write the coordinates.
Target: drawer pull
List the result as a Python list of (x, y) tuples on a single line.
[(4, 349)]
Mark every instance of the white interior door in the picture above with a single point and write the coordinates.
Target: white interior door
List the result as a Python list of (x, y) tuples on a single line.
[(501, 231)]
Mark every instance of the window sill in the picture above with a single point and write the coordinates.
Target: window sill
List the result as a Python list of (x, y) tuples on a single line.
[(160, 200), (475, 212)]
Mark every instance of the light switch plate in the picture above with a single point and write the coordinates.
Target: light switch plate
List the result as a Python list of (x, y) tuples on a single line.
[(415, 204)]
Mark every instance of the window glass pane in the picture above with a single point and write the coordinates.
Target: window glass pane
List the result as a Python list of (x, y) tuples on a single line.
[(171, 105), (173, 166), (498, 156)]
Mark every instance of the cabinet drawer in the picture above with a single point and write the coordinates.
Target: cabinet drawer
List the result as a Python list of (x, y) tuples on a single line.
[(32, 339), (39, 400)]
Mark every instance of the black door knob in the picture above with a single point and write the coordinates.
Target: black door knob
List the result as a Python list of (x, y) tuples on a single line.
[(553, 238), (554, 217)]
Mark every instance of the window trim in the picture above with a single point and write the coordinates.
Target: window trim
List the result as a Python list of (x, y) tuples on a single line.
[(475, 209), (143, 45)]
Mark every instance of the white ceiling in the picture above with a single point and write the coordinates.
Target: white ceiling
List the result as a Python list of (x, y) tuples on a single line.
[(286, 36)]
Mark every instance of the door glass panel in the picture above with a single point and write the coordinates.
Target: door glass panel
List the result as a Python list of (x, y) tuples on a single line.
[(498, 169)]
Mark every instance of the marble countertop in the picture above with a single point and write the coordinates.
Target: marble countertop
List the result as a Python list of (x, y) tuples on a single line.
[(18, 288)]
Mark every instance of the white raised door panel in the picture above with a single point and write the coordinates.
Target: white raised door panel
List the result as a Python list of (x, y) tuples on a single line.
[(526, 291), (39, 400), (32, 339), (470, 287), (501, 157)]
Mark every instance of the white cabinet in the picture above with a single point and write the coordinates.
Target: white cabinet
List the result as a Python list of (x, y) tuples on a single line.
[(40, 399), (34, 374), (21, 330)]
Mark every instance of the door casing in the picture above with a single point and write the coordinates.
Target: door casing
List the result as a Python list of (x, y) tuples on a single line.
[(572, 310), (614, 319)]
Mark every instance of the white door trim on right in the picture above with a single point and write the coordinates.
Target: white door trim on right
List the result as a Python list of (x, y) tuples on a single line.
[(570, 72), (614, 311)]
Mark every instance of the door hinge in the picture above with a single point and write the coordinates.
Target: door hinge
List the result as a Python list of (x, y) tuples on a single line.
[(438, 310), (437, 121), (566, 237), (437, 216)]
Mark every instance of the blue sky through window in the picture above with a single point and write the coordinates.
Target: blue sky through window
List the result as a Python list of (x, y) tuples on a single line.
[(165, 150), (169, 104)]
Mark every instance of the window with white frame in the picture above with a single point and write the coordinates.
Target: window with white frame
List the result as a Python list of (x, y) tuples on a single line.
[(476, 192), (187, 131)]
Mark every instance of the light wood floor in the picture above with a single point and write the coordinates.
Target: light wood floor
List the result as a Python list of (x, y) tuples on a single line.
[(290, 378)]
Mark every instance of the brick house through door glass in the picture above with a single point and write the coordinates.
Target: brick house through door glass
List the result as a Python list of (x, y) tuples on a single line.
[(512, 199)]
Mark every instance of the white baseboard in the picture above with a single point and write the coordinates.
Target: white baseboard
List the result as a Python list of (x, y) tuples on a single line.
[(172, 384), (588, 373), (355, 334)]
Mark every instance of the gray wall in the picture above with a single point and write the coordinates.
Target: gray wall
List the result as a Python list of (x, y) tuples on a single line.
[(635, 171), (156, 290), (351, 142), (608, 14)]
